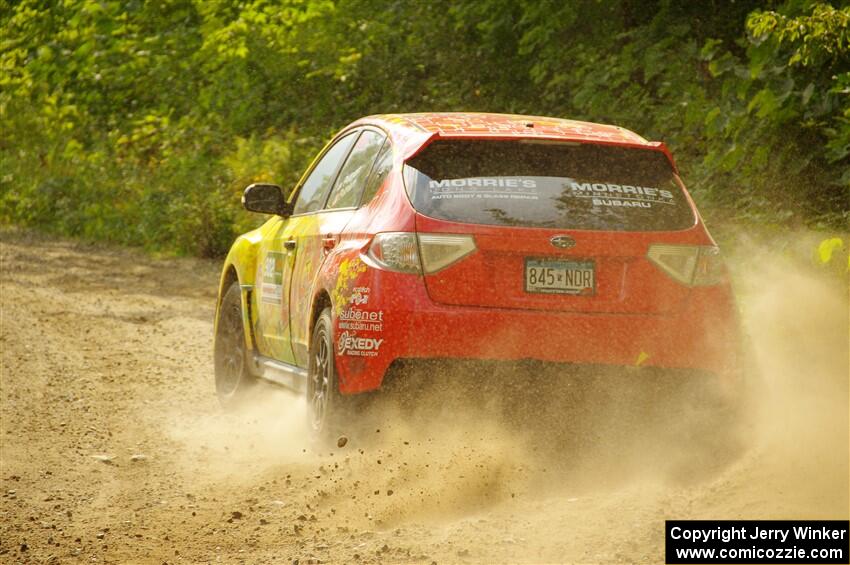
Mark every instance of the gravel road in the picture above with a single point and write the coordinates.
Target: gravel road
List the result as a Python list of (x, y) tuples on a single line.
[(114, 449)]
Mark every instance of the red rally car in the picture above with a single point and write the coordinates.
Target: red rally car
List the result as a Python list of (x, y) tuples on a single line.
[(471, 236)]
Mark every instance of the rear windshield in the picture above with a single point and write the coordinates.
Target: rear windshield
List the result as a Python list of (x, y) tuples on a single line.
[(547, 185)]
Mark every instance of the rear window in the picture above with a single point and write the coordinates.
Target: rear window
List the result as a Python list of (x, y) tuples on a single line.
[(547, 185)]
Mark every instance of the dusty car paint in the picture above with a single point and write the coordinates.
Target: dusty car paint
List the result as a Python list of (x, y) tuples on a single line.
[(380, 316)]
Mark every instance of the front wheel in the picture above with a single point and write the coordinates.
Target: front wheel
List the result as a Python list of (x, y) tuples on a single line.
[(232, 377)]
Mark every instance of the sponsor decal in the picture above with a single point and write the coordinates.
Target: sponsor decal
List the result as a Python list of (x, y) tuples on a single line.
[(622, 203), (359, 296), (361, 320), (271, 288), (355, 319), (620, 195), (621, 189), (516, 188), (350, 344), (483, 182)]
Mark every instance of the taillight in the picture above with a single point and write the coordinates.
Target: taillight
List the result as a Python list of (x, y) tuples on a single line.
[(440, 250), (709, 269), (396, 252), (692, 265), (416, 253)]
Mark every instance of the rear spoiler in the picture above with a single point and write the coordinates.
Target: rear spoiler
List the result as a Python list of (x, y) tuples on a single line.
[(419, 143)]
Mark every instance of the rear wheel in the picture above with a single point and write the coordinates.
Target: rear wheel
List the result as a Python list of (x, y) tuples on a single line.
[(325, 405), (232, 377)]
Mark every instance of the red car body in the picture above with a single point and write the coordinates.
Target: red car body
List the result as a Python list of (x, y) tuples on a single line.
[(635, 313)]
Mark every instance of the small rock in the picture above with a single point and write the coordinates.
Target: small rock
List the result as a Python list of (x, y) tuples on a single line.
[(24, 547), (463, 552), (138, 457), (105, 459), (100, 535), (341, 441), (389, 492), (236, 515)]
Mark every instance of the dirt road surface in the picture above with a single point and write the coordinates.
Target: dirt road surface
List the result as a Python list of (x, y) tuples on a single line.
[(114, 448)]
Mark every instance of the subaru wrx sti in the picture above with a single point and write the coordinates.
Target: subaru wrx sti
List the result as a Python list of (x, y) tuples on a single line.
[(467, 236)]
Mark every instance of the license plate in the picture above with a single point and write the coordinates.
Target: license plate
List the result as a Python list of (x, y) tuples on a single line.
[(560, 277)]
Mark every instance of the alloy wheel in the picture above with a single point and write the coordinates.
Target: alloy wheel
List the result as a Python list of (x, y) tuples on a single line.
[(320, 379)]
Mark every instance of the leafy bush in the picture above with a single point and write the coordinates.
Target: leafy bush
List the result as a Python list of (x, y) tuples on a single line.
[(141, 122)]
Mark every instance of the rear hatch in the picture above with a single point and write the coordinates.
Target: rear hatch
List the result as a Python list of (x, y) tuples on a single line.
[(557, 226)]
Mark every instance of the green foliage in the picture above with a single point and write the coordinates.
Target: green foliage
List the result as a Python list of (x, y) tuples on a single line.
[(141, 122)]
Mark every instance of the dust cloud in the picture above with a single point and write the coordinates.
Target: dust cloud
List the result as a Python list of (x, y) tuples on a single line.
[(237, 445), (796, 313), (447, 448)]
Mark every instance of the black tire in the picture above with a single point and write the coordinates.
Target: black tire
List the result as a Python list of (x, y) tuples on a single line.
[(233, 379), (326, 407)]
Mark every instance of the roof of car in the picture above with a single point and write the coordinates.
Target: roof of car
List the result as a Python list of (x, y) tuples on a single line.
[(478, 124)]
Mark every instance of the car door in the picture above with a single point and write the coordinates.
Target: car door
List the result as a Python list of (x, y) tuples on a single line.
[(318, 232), (278, 253), (270, 299)]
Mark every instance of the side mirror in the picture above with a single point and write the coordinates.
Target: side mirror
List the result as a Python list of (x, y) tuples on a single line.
[(265, 198)]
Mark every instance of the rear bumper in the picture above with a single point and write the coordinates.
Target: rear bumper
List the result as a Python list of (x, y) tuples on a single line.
[(703, 335), (472, 383)]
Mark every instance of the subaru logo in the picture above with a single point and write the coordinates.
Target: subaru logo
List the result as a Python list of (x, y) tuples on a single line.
[(562, 241)]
